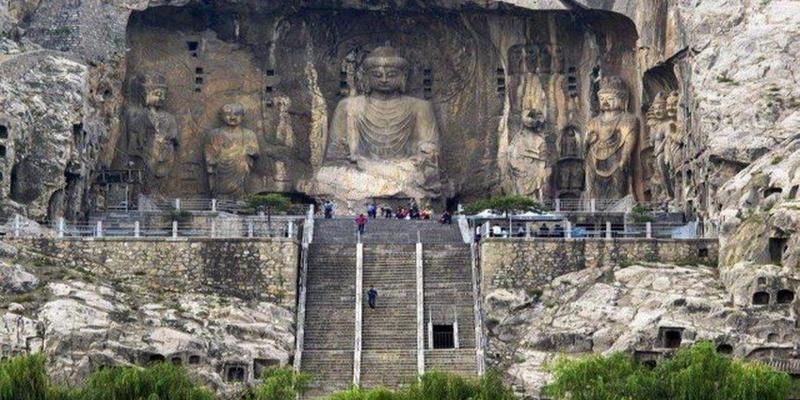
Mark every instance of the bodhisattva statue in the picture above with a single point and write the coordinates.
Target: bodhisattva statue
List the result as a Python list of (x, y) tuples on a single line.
[(230, 154), (659, 181), (672, 132), (382, 143), (527, 156), (611, 140), (152, 132)]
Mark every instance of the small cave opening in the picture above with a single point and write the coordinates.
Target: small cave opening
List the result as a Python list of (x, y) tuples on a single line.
[(773, 338), (760, 298), (177, 361), (78, 135), (793, 192), (2, 151), (3, 132), (156, 358), (777, 246), (772, 190), (194, 360), (702, 252), (762, 280), (784, 296), (724, 348), (671, 338), (235, 373)]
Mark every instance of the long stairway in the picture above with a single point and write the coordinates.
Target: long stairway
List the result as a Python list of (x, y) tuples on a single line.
[(389, 332), (330, 318)]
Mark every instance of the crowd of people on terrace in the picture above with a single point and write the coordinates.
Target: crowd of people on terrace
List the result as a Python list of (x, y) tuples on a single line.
[(411, 211)]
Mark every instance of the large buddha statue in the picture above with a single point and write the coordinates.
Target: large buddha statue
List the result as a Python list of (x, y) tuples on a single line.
[(611, 139), (152, 131), (230, 153), (383, 143)]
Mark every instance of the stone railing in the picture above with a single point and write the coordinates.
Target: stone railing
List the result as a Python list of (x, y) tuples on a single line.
[(308, 237)]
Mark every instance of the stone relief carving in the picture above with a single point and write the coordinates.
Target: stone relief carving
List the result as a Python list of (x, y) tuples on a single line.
[(527, 155), (152, 131), (611, 139), (230, 153), (656, 166), (570, 177), (382, 143)]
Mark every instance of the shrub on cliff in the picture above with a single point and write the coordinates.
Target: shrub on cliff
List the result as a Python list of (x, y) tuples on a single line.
[(694, 373)]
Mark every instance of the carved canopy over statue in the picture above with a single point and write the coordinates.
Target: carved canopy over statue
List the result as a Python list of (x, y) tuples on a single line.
[(611, 139), (382, 143)]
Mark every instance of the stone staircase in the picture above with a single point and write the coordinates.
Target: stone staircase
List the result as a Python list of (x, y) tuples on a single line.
[(389, 336), (330, 318), (342, 230), (389, 333)]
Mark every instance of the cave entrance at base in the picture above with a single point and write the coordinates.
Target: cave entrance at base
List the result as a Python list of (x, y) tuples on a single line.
[(444, 337)]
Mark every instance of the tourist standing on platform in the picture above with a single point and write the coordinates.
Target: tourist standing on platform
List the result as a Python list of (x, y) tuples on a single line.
[(361, 221), (328, 208), (446, 218), (372, 210), (372, 297)]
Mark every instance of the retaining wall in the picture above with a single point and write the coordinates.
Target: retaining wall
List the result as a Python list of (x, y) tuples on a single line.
[(528, 264), (253, 269)]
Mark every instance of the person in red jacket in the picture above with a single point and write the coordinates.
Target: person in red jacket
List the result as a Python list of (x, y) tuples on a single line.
[(361, 221)]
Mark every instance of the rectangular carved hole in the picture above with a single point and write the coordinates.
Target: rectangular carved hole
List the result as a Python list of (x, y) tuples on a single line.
[(501, 71), (427, 72), (572, 79), (572, 70), (343, 85), (268, 89), (198, 90), (792, 191), (501, 81), (270, 72), (3, 132), (199, 71), (427, 82), (702, 252), (777, 245), (193, 45), (198, 80), (443, 337), (671, 338)]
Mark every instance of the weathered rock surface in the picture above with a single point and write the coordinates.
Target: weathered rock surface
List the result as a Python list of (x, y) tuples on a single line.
[(627, 309), (84, 326)]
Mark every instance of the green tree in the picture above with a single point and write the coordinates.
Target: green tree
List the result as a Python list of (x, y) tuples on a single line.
[(269, 203), (281, 384), (506, 204)]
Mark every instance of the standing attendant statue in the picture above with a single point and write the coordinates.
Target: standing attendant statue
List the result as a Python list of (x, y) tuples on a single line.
[(152, 131), (230, 154), (527, 156), (611, 139)]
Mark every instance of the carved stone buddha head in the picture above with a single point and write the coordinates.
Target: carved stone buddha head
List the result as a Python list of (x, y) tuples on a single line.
[(233, 114), (153, 88), (671, 105), (385, 71), (613, 94), (533, 120), (659, 107)]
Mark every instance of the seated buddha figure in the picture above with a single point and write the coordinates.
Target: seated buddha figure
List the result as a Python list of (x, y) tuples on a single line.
[(382, 143)]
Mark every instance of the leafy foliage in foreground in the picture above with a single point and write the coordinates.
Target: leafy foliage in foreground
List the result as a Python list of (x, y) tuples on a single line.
[(280, 384), (162, 381), (436, 386), (694, 373), (511, 203)]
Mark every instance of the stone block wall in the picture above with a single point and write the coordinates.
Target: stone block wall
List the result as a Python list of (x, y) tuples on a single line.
[(530, 264), (251, 269)]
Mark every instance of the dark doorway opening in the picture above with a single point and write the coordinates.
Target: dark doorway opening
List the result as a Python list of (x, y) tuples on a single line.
[(443, 337), (235, 374), (777, 245), (671, 338), (785, 296), (760, 298), (724, 348)]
